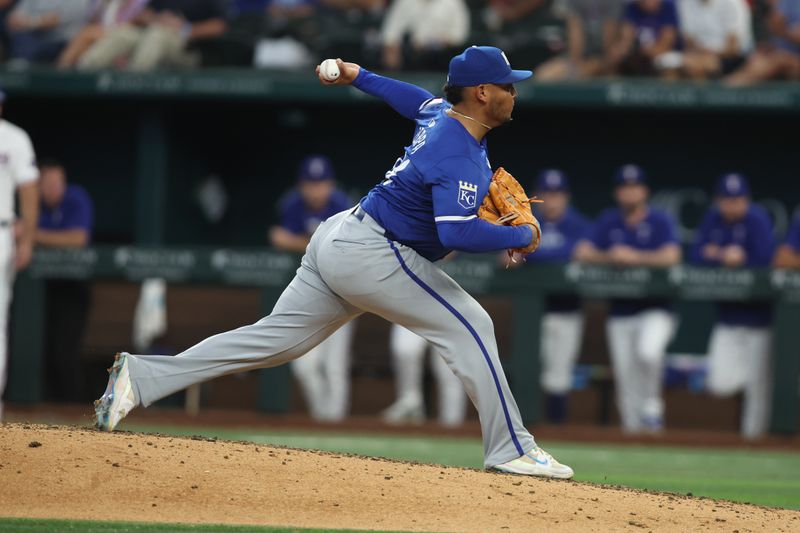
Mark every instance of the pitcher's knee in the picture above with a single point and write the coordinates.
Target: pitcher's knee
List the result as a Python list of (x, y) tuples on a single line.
[(480, 321)]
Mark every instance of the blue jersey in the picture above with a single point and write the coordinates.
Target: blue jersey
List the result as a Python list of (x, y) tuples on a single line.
[(793, 237), (790, 10), (75, 211), (754, 234), (297, 218), (559, 238), (650, 24), (429, 199), (655, 231)]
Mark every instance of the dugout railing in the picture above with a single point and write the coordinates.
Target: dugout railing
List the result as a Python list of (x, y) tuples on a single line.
[(480, 275)]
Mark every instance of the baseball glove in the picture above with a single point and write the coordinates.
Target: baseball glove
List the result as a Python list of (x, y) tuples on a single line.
[(506, 203)]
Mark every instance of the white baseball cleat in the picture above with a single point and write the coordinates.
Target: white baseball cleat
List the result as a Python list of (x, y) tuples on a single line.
[(536, 462), (118, 399)]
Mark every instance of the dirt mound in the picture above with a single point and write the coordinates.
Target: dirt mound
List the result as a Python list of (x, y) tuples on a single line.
[(70, 472)]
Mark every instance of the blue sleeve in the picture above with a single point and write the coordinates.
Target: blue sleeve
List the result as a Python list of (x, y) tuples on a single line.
[(702, 237), (793, 237), (79, 213), (477, 236), (403, 97), (456, 198), (760, 244)]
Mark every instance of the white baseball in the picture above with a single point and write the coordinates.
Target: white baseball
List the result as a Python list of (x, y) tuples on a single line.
[(329, 70)]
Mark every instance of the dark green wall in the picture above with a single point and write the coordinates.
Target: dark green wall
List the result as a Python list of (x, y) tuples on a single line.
[(255, 147)]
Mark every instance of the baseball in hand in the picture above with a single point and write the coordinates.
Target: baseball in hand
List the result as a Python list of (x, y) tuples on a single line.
[(329, 70)]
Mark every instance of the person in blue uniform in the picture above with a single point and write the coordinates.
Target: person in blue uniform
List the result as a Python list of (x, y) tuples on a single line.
[(788, 254), (562, 326), (315, 199), (66, 220), (630, 235), (324, 372), (736, 233), (379, 257)]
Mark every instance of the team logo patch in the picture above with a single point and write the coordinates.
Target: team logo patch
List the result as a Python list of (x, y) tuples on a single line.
[(467, 193)]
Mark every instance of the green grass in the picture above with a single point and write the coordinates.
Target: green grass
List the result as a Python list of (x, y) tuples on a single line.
[(762, 477), (34, 525)]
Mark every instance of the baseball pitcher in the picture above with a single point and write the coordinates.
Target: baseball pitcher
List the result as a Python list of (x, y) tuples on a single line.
[(379, 257)]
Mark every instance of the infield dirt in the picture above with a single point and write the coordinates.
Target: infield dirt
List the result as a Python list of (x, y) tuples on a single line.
[(77, 473)]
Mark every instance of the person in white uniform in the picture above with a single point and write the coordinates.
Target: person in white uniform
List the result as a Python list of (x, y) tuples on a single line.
[(324, 372), (736, 233), (408, 358), (636, 234), (716, 34), (562, 325), (18, 173)]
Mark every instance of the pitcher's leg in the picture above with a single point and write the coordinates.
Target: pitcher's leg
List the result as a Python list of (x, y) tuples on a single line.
[(405, 288), (306, 313)]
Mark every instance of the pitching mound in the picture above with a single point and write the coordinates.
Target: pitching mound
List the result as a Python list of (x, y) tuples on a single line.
[(76, 473)]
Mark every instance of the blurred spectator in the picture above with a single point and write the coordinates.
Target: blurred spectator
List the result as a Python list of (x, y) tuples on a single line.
[(788, 255), (107, 14), (635, 234), (649, 30), (592, 28), (352, 28), (736, 234), (65, 220), (716, 36), (40, 29), (434, 28), (324, 372), (779, 56), (408, 358), (5, 8), (562, 325), (161, 35), (18, 177), (247, 23), (526, 29)]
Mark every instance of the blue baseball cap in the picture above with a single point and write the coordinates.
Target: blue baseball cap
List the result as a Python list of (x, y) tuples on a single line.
[(732, 185), (316, 168), (483, 64), (552, 180), (630, 175)]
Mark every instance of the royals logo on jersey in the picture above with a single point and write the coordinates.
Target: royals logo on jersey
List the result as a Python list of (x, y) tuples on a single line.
[(467, 194)]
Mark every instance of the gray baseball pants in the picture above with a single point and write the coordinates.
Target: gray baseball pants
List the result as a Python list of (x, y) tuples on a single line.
[(350, 267)]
